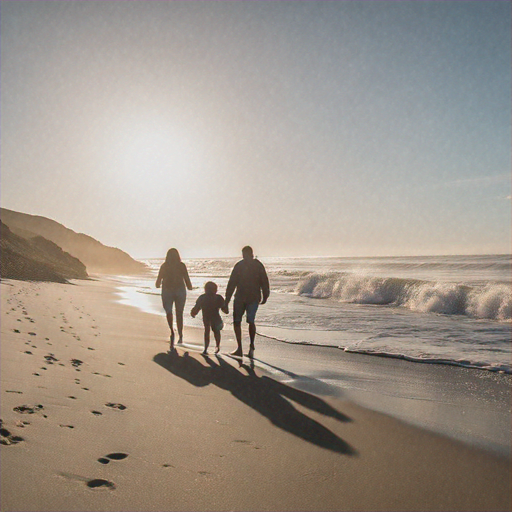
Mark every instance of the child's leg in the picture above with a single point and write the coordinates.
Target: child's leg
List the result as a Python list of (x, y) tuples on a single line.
[(206, 338), (216, 333)]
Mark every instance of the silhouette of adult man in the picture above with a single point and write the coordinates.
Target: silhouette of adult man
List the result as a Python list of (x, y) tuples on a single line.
[(249, 279)]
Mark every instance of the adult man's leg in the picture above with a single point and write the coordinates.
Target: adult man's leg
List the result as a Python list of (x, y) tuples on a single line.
[(251, 317), (252, 336), (238, 312), (237, 327)]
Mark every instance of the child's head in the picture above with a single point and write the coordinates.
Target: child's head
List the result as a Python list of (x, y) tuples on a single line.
[(210, 287)]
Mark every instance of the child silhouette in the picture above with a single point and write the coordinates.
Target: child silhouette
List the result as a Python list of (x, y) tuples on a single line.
[(210, 303)]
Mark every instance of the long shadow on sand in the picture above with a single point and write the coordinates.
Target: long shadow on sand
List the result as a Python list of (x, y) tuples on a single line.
[(264, 394)]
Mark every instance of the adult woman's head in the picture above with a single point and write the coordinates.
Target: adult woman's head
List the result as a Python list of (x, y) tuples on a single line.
[(173, 257)]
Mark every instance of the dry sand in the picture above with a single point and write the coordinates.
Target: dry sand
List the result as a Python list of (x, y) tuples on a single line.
[(96, 416)]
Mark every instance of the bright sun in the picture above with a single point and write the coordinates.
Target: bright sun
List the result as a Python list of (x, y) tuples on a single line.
[(146, 155)]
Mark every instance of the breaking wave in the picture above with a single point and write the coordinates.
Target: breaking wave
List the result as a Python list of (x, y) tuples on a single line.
[(493, 301)]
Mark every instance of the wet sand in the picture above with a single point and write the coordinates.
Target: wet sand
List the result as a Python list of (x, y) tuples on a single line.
[(97, 416), (468, 404)]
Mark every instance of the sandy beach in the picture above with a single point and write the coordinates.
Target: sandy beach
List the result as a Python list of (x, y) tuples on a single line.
[(97, 416)]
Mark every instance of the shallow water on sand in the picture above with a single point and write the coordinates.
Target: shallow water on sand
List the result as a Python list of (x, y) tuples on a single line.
[(453, 310)]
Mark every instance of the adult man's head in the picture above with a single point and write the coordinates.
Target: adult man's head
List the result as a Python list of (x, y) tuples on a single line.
[(247, 253)]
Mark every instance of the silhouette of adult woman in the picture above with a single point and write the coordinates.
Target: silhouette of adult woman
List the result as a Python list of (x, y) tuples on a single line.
[(173, 277)]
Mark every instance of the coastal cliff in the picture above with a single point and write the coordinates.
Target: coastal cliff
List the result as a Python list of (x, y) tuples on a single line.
[(36, 259), (98, 258)]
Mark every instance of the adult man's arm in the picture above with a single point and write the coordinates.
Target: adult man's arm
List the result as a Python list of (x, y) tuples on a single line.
[(264, 283), (232, 284)]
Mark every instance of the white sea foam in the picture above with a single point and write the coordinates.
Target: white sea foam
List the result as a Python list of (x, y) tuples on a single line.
[(491, 302)]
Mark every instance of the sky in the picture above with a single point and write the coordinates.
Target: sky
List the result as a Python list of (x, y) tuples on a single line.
[(336, 128)]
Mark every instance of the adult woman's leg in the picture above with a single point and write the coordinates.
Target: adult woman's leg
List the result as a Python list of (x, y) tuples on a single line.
[(169, 321), (181, 297), (167, 301), (179, 324)]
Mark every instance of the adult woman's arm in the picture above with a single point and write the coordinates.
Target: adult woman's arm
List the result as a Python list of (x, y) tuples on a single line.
[(159, 278), (186, 278)]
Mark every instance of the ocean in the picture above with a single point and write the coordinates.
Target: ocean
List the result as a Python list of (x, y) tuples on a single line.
[(452, 310)]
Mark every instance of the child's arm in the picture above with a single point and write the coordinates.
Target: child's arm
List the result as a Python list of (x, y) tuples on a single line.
[(222, 304), (197, 307)]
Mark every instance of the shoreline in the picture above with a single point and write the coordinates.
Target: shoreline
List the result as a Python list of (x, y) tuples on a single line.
[(198, 433), (410, 359), (148, 301), (455, 405)]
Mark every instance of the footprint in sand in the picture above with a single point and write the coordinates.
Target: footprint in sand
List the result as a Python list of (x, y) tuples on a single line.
[(6, 438), (121, 407), (97, 413), (28, 409), (112, 456), (99, 482), (67, 426), (247, 443), (13, 391)]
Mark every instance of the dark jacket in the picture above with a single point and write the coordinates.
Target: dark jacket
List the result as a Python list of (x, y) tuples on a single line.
[(209, 303), (250, 280)]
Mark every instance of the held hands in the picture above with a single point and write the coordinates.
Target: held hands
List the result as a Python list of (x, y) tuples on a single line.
[(225, 309)]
